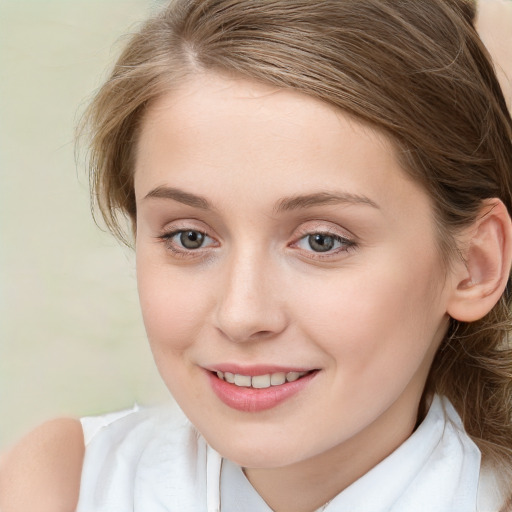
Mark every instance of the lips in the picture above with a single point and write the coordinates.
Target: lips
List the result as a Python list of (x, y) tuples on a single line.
[(257, 388)]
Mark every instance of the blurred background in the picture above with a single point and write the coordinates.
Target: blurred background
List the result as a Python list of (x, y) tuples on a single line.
[(71, 336)]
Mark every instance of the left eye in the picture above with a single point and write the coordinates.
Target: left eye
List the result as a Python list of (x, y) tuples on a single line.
[(189, 239), (323, 242)]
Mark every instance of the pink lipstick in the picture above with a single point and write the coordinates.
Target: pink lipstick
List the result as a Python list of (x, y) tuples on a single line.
[(257, 388)]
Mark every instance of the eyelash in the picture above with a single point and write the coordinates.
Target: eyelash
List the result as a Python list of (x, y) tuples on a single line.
[(182, 252), (345, 244)]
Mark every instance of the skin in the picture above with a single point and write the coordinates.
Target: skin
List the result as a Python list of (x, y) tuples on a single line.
[(257, 293), (494, 24), (42, 471)]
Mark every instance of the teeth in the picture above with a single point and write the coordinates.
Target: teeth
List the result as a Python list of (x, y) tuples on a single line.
[(276, 379), (244, 381), (260, 381), (292, 376)]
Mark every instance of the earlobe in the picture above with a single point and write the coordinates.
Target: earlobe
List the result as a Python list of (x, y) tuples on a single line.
[(482, 273)]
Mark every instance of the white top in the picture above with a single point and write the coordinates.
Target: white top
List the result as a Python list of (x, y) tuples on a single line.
[(153, 460)]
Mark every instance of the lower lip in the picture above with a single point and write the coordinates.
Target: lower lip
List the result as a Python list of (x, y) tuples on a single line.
[(255, 400)]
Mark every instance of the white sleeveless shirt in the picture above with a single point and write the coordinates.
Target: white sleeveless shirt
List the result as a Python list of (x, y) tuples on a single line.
[(153, 460)]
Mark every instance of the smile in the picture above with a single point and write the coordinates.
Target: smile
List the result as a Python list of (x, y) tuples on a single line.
[(259, 391), (260, 381)]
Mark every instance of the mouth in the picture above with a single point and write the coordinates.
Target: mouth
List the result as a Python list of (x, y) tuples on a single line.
[(259, 391), (261, 381)]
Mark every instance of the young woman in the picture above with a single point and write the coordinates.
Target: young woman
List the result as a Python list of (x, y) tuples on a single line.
[(319, 196)]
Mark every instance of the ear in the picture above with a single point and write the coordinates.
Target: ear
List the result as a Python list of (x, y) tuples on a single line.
[(481, 275)]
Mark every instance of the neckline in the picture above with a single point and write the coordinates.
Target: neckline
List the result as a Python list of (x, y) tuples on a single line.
[(393, 484)]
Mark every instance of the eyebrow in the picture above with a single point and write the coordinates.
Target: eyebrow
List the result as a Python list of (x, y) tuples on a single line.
[(320, 199), (181, 196), (284, 205)]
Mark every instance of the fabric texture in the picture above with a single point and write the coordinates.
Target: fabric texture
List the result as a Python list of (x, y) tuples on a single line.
[(153, 460)]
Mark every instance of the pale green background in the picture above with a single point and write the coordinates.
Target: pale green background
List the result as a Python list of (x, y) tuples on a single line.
[(71, 336)]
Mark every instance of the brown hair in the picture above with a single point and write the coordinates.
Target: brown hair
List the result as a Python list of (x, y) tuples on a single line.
[(415, 70)]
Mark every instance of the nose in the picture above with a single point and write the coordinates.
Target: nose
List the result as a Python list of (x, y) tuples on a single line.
[(250, 304)]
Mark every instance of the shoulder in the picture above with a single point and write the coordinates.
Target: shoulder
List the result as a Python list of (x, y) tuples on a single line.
[(494, 25), (164, 460), (494, 16), (42, 472)]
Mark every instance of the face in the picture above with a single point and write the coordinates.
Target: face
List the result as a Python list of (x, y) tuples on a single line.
[(288, 272)]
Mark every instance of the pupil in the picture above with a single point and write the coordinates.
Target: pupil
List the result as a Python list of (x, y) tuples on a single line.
[(321, 243), (191, 239)]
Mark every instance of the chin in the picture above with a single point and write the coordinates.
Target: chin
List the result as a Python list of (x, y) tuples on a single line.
[(258, 459), (258, 453)]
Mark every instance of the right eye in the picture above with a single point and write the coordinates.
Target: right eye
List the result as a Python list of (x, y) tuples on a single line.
[(185, 240), (190, 239)]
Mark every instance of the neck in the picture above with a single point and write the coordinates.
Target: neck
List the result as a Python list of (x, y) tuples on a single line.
[(308, 484)]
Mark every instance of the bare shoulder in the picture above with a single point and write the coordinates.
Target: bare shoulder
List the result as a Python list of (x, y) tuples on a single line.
[(42, 472), (494, 24), (494, 16)]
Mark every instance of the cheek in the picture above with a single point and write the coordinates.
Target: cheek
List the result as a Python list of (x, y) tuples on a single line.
[(171, 302), (376, 320)]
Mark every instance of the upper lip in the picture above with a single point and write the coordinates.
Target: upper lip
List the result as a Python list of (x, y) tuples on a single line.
[(252, 370)]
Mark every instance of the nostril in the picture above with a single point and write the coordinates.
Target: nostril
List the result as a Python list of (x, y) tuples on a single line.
[(261, 334)]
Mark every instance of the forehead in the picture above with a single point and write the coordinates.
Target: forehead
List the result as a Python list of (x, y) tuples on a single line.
[(255, 137), (248, 108)]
